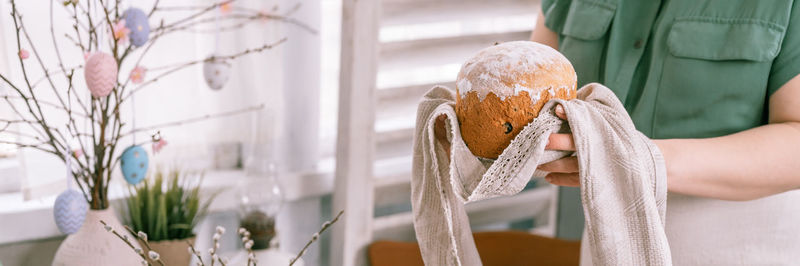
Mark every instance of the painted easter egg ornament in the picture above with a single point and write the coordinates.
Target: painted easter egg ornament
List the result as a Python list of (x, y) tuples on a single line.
[(136, 22), (215, 72), (100, 74), (134, 164), (70, 211)]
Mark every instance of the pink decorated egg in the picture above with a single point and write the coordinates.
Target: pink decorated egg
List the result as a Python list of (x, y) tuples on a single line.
[(100, 73)]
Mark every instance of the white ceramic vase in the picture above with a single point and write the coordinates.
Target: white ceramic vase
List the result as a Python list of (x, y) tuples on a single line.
[(93, 245)]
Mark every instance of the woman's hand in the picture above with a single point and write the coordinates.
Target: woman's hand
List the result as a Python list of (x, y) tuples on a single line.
[(564, 171), (440, 132)]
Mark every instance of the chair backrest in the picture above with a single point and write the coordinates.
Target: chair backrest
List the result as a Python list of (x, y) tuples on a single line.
[(505, 248)]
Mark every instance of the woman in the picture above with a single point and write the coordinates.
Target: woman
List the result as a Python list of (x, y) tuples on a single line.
[(716, 85)]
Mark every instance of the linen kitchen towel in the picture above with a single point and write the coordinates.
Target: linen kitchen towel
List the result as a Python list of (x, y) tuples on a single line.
[(622, 176)]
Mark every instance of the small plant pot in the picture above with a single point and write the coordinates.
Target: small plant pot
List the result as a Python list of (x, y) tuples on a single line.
[(173, 252)]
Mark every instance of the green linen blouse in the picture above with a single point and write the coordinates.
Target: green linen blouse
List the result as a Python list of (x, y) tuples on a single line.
[(683, 68)]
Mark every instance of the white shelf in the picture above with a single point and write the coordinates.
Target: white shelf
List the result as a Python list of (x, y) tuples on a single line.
[(37, 215)]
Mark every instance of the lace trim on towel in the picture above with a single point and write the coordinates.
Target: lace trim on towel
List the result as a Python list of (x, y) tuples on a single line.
[(503, 177)]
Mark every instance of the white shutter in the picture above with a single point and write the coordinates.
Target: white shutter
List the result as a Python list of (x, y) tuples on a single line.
[(422, 44)]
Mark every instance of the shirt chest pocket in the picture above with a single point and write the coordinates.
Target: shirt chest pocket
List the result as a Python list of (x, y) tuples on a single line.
[(583, 26), (715, 73)]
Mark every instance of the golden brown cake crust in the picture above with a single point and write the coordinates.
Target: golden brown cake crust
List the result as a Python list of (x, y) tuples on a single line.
[(525, 81)]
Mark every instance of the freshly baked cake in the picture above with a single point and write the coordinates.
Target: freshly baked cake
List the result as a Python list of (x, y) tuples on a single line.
[(502, 88)]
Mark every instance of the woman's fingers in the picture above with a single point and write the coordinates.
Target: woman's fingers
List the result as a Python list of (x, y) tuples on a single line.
[(560, 113), (563, 179), (439, 129), (564, 165), (561, 142), (440, 132), (558, 141), (564, 171)]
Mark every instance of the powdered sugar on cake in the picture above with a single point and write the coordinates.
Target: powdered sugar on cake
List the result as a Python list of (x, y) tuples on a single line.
[(496, 66)]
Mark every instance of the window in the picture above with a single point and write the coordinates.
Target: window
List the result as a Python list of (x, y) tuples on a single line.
[(254, 79)]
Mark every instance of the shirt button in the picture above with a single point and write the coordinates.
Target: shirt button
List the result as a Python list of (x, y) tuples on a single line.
[(638, 44)]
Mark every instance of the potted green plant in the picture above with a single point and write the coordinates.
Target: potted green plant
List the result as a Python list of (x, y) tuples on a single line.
[(166, 210)]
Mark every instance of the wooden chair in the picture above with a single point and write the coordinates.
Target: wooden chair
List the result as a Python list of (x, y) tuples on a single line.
[(507, 248)]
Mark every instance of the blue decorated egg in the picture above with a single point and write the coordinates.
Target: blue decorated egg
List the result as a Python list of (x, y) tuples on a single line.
[(134, 164), (136, 22), (70, 211)]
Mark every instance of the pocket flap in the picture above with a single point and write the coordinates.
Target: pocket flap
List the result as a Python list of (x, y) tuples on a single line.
[(588, 20), (725, 39)]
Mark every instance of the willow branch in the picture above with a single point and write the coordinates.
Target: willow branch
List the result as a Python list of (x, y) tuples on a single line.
[(65, 71), (114, 41), (45, 103), (17, 26), (196, 119), (195, 252), (153, 10), (78, 41), (75, 42), (74, 127), (242, 19), (181, 8), (116, 8), (39, 146), (195, 15), (16, 121), (5, 129), (75, 176), (34, 126), (138, 61), (107, 149), (128, 242), (78, 23), (293, 10), (212, 58), (93, 38), (55, 42), (315, 237), (42, 64)]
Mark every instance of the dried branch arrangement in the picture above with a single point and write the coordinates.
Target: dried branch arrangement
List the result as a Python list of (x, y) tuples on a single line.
[(110, 38), (315, 237), (151, 257)]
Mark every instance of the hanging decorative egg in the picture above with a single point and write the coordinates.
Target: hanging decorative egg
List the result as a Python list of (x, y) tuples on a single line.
[(134, 164), (215, 72), (136, 22), (100, 74), (70, 210)]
